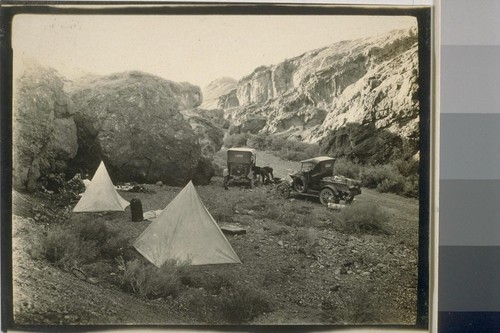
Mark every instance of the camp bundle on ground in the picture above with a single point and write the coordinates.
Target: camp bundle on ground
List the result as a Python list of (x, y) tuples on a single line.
[(185, 232), (100, 195)]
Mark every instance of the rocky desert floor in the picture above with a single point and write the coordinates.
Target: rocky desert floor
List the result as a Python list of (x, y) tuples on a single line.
[(296, 254)]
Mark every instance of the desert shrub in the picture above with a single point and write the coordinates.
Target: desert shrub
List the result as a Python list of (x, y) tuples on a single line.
[(286, 149), (346, 168), (108, 241), (94, 231), (146, 280), (236, 140), (363, 307), (411, 187), (241, 304), (290, 216), (385, 178), (259, 141), (62, 247), (400, 177), (201, 304), (294, 150), (234, 305), (407, 167), (372, 176), (194, 277), (394, 184), (308, 240), (366, 217), (291, 155)]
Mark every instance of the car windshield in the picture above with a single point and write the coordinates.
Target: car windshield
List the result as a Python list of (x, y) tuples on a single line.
[(240, 157), (307, 166)]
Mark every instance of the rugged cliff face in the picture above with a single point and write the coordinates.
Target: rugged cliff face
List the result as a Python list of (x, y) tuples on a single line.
[(132, 121), (215, 89), (367, 81), (44, 132)]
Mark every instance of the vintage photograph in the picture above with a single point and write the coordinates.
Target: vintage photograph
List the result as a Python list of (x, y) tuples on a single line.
[(198, 168)]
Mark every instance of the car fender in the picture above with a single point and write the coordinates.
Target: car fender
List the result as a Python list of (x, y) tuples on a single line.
[(331, 187), (287, 182)]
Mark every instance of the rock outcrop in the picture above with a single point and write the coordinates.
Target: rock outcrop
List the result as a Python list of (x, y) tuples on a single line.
[(210, 136), (367, 81), (44, 132), (216, 89), (132, 121)]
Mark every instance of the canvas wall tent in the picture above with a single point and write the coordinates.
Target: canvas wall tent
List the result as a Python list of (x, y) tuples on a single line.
[(100, 195), (185, 232)]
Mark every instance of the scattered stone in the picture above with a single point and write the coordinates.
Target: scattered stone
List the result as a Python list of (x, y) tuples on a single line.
[(159, 183), (335, 288), (92, 280), (231, 229), (280, 243), (343, 270)]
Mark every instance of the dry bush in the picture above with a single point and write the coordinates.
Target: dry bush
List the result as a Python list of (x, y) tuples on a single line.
[(362, 307), (364, 217), (236, 304), (399, 177), (241, 304), (308, 240), (64, 248), (213, 283), (236, 140), (292, 216), (146, 280), (346, 168)]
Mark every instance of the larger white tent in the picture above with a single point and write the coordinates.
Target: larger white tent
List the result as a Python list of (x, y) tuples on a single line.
[(100, 195), (185, 232)]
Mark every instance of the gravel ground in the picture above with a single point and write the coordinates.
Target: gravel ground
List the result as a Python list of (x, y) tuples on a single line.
[(313, 273)]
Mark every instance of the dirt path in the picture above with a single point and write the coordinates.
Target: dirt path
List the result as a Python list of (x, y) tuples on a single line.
[(281, 168)]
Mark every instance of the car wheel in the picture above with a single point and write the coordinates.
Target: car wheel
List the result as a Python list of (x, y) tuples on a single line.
[(283, 190), (327, 196)]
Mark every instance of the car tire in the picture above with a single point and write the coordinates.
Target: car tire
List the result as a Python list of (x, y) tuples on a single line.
[(326, 196), (283, 190)]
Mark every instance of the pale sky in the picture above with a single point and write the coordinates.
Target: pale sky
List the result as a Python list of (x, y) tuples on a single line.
[(196, 49)]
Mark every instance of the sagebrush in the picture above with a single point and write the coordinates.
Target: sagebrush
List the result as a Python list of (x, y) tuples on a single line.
[(146, 280), (363, 217)]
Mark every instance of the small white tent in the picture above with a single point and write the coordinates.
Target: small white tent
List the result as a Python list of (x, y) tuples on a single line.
[(100, 195), (186, 232)]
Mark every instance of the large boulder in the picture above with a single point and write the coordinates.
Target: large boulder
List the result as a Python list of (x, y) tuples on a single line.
[(44, 132), (132, 121), (210, 136)]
